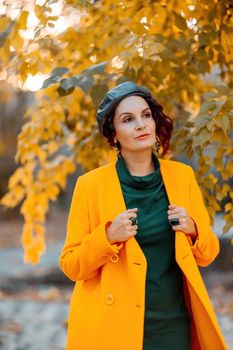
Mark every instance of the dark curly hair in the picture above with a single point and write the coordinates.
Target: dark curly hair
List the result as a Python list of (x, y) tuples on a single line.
[(164, 125)]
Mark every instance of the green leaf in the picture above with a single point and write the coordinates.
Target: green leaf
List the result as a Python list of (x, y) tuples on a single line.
[(202, 137), (62, 92), (108, 78), (96, 69), (209, 95), (55, 76), (97, 93), (59, 71), (203, 119), (84, 82), (224, 123), (129, 75), (215, 111), (50, 81), (206, 107), (67, 86)]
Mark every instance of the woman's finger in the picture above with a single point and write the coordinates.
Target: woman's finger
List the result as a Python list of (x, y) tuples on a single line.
[(131, 215), (133, 210), (132, 233), (133, 228), (179, 211), (173, 206), (174, 211)]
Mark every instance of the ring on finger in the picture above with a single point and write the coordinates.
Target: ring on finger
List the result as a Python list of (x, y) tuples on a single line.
[(134, 221), (174, 222)]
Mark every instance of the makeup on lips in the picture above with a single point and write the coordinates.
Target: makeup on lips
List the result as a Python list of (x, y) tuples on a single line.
[(142, 137)]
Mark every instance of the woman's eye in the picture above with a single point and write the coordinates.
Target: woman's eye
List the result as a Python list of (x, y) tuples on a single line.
[(127, 119)]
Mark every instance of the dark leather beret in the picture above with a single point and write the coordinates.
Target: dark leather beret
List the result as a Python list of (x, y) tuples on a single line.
[(114, 96)]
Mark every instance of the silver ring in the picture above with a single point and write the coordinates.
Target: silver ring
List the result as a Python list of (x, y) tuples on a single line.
[(134, 221), (174, 222)]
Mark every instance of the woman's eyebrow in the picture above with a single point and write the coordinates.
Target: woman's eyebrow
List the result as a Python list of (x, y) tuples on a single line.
[(132, 113)]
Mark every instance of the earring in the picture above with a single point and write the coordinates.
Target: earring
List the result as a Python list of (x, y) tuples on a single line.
[(157, 145), (116, 148)]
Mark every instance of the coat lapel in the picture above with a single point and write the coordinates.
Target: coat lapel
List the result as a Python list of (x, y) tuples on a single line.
[(116, 205), (174, 184), (174, 189)]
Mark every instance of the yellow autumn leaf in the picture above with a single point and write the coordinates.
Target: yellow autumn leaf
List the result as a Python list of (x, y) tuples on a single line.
[(228, 206), (4, 22), (52, 192), (39, 229)]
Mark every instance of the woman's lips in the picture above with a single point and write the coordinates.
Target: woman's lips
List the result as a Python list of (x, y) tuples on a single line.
[(143, 137)]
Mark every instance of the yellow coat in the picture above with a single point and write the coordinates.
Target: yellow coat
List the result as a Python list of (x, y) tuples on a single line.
[(107, 305)]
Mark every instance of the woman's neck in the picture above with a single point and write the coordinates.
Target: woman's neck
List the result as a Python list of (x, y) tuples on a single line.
[(139, 164)]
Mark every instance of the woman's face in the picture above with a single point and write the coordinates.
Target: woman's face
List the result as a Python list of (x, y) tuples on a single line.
[(134, 125)]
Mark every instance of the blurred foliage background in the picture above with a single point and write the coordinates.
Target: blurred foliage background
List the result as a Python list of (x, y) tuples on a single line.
[(70, 53)]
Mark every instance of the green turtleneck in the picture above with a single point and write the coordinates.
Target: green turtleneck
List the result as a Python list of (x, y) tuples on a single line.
[(166, 318)]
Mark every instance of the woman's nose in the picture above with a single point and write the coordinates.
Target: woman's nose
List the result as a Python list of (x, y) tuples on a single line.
[(140, 124)]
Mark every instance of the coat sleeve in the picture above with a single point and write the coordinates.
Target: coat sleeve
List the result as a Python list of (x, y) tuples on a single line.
[(84, 252), (206, 246)]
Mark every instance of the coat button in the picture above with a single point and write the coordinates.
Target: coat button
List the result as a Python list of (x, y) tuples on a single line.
[(114, 259), (109, 299)]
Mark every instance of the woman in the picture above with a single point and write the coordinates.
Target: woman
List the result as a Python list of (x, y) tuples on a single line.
[(137, 229)]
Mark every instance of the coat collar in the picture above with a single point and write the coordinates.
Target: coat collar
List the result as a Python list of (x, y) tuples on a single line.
[(115, 187)]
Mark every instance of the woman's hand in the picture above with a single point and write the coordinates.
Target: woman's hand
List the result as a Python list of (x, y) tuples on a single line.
[(121, 229), (186, 225)]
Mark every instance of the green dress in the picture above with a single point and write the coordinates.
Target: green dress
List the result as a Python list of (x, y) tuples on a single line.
[(166, 325)]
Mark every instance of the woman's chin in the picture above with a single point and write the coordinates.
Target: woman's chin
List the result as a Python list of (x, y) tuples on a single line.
[(138, 148)]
